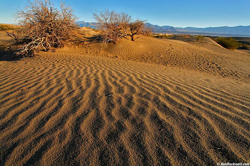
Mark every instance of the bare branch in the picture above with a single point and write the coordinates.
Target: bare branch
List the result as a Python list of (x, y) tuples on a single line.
[(115, 26), (43, 27), (135, 28)]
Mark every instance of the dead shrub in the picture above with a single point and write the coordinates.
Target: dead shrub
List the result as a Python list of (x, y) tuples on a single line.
[(135, 28), (147, 31), (115, 26), (42, 27)]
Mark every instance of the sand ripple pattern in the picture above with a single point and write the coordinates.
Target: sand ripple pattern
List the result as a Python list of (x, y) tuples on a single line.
[(80, 110)]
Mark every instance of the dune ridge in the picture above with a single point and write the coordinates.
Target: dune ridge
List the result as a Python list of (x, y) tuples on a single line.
[(206, 56), (69, 109)]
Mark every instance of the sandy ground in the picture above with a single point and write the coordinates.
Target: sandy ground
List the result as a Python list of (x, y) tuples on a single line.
[(190, 106), (4, 40)]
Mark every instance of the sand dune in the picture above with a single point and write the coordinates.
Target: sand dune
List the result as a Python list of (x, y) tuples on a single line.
[(60, 109), (190, 106), (4, 40), (207, 56), (88, 32)]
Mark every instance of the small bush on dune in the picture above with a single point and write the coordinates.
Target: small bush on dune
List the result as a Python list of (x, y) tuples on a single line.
[(112, 25), (42, 26), (200, 38), (228, 43)]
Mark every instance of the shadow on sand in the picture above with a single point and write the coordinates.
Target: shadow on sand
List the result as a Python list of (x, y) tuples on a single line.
[(8, 56)]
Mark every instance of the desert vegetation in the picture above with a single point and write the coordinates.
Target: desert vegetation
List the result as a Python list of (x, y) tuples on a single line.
[(135, 28), (171, 36), (244, 46), (5, 27), (228, 43), (147, 30), (42, 27), (115, 26), (200, 38), (162, 36)]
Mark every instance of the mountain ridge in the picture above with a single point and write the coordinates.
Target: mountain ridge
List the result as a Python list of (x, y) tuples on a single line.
[(240, 31)]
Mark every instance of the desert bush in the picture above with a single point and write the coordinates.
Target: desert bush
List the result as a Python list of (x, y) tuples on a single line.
[(135, 28), (42, 27), (244, 46), (200, 38), (228, 43), (163, 36), (182, 36), (147, 31), (160, 36), (115, 26), (6, 27), (166, 36)]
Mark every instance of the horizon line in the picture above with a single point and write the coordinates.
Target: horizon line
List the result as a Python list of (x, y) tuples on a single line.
[(163, 25)]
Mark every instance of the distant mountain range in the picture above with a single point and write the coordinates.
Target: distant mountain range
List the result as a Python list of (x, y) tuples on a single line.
[(240, 31), (92, 25)]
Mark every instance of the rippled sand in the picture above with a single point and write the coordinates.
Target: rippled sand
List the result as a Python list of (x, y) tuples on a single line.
[(72, 109)]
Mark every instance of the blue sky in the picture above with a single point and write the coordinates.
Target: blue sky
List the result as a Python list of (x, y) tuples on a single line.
[(178, 13)]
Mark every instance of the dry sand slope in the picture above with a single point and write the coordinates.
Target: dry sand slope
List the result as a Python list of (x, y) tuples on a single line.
[(206, 56), (61, 109)]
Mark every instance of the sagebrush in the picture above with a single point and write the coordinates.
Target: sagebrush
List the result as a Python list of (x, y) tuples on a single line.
[(228, 43)]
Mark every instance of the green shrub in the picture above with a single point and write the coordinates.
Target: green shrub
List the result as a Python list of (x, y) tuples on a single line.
[(5, 27), (162, 36), (200, 38), (228, 43)]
